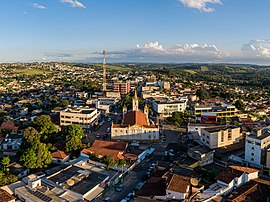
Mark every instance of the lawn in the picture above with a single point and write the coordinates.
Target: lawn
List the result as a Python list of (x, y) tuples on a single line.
[(190, 71)]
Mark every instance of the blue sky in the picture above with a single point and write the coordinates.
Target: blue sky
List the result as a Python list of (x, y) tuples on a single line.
[(235, 31)]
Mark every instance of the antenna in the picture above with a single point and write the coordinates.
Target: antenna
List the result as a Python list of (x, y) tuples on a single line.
[(104, 71)]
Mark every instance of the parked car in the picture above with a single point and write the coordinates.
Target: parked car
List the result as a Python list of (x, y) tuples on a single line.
[(107, 199), (120, 187)]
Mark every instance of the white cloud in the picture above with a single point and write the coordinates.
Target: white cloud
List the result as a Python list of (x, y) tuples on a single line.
[(259, 48), (153, 46), (156, 52), (74, 3), (200, 4), (38, 6)]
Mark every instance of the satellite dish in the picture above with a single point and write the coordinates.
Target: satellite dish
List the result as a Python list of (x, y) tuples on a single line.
[(194, 182), (70, 182)]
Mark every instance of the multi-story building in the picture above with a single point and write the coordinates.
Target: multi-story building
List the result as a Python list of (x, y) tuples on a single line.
[(81, 116), (223, 111), (220, 136), (165, 107), (122, 87), (256, 147)]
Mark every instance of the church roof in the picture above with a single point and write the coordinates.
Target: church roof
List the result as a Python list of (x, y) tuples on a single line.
[(135, 118)]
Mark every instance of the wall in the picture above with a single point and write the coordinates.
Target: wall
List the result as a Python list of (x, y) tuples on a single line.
[(175, 195)]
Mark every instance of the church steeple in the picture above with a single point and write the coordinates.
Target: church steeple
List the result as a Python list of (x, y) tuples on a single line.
[(135, 102), (146, 112)]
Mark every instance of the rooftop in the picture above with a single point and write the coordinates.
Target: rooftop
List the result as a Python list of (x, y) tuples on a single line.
[(104, 148), (5, 196), (234, 171), (217, 129), (179, 183), (59, 154), (77, 179), (135, 118)]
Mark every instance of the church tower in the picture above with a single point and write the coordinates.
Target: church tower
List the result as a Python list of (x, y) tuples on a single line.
[(146, 112), (135, 102)]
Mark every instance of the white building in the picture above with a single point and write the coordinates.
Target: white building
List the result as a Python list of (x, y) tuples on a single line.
[(165, 107), (220, 136), (232, 177), (81, 116), (256, 147), (135, 126), (106, 103)]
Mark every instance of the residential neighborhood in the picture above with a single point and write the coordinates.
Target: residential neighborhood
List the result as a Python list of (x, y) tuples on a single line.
[(148, 137)]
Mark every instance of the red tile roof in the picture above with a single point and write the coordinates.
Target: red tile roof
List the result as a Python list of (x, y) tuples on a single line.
[(59, 154), (103, 148), (179, 183), (244, 169), (234, 171), (9, 125), (135, 118), (5, 196)]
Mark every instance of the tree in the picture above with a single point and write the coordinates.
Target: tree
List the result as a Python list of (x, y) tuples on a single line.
[(73, 143), (36, 156), (5, 162), (202, 94), (31, 136), (74, 130), (121, 162), (109, 161), (73, 134), (7, 178), (179, 118), (239, 104), (44, 126), (64, 103)]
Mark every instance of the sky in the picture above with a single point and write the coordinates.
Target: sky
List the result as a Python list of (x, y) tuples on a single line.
[(162, 31)]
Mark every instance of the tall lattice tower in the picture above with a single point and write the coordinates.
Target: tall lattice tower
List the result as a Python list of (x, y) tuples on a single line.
[(104, 71)]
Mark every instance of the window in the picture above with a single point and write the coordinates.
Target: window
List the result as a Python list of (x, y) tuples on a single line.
[(252, 147), (229, 136), (252, 159), (252, 154), (222, 137)]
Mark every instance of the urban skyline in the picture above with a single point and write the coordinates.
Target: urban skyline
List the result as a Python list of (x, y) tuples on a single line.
[(177, 31)]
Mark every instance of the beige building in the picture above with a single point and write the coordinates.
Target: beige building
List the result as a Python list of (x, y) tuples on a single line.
[(81, 116), (135, 125), (220, 136)]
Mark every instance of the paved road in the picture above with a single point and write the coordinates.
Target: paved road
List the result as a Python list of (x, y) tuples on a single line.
[(130, 181)]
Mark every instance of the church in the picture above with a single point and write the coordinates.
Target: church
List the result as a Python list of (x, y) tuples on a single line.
[(135, 125)]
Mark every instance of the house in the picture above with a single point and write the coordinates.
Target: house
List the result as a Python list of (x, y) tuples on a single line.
[(59, 157), (228, 180), (135, 125), (6, 197), (9, 126), (106, 148), (256, 190), (220, 136), (11, 144), (201, 153), (17, 169), (178, 188)]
